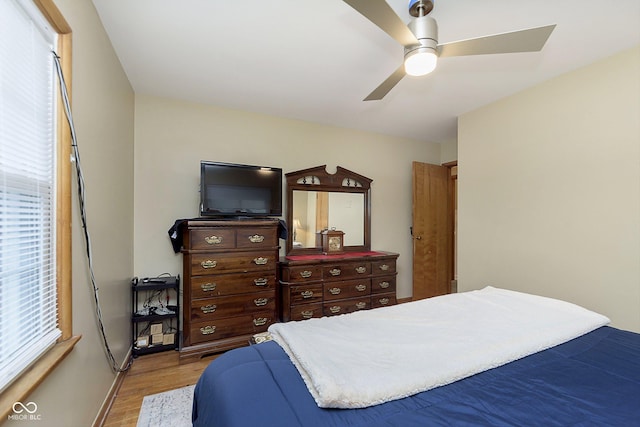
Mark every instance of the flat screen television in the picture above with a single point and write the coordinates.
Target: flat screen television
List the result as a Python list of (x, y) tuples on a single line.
[(234, 190)]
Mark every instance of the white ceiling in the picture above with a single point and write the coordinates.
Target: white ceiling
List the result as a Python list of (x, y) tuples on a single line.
[(317, 60)]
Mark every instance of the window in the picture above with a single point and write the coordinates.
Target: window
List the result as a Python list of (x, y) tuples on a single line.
[(34, 196)]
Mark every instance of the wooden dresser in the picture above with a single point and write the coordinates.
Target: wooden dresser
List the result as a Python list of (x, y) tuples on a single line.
[(229, 283), (327, 285)]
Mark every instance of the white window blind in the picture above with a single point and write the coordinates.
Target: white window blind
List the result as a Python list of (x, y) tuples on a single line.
[(28, 300)]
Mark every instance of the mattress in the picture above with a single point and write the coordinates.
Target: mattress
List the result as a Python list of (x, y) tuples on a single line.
[(592, 380)]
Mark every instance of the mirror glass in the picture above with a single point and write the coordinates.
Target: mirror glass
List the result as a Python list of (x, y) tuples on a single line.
[(314, 211)]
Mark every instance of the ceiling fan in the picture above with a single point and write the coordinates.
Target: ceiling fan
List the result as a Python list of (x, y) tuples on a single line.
[(420, 40)]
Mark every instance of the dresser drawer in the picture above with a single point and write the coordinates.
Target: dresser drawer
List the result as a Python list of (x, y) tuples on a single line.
[(346, 306), (347, 289), (212, 238), (307, 273), (383, 300), (383, 285), (234, 305), (346, 270), (305, 294), (215, 329), (214, 263), (334, 285), (383, 267), (256, 238), (230, 284), (306, 311)]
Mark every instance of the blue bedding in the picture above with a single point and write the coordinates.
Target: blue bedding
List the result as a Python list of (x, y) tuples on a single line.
[(593, 380)]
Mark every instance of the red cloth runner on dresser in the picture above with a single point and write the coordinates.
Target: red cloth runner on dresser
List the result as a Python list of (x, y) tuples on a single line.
[(340, 256)]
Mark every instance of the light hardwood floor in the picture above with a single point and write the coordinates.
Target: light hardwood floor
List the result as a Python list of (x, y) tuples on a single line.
[(150, 374), (155, 373)]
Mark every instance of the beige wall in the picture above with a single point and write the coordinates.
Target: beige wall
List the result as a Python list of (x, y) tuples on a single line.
[(549, 184), (448, 151), (103, 107), (172, 137)]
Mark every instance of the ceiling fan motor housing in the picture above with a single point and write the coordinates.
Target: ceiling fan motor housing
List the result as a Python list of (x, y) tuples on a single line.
[(425, 29)]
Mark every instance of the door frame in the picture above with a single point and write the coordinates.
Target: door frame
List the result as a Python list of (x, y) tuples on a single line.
[(453, 167)]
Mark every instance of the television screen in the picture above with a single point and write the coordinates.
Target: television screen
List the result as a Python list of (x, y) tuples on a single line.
[(239, 190)]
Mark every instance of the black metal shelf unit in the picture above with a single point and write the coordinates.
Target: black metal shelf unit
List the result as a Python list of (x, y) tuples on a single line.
[(150, 305)]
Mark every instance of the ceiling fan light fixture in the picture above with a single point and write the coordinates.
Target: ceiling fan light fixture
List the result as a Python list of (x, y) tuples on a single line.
[(420, 62)]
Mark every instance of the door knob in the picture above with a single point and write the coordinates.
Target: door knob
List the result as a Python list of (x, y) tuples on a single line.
[(418, 237)]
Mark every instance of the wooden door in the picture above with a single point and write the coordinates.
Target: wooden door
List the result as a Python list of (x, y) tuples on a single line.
[(432, 230)]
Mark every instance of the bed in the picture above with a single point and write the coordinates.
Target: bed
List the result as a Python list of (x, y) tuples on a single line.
[(570, 368)]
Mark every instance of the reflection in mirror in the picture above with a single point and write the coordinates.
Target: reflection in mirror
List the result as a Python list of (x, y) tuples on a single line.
[(318, 200), (314, 211)]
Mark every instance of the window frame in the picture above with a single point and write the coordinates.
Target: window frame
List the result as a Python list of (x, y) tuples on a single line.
[(27, 382)]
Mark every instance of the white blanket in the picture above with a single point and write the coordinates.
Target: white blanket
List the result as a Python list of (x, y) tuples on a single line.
[(371, 357)]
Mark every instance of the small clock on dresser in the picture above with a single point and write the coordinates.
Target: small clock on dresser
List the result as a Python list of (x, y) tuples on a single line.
[(332, 242)]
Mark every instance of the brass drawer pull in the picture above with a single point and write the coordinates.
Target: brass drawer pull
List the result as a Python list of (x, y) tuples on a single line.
[(213, 240), (307, 314), (208, 287), (335, 271), (305, 274), (256, 238), (261, 281), (334, 291), (208, 330), (209, 264), (384, 301), (261, 261), (360, 305), (360, 269), (361, 288), (384, 267), (260, 321), (209, 308), (335, 309), (260, 301), (306, 294), (384, 285)]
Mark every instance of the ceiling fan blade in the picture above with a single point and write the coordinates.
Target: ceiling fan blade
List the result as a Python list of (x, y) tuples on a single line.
[(380, 13), (531, 40), (386, 85)]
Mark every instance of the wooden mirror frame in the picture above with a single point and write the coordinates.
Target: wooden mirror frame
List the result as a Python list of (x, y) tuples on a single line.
[(318, 179)]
